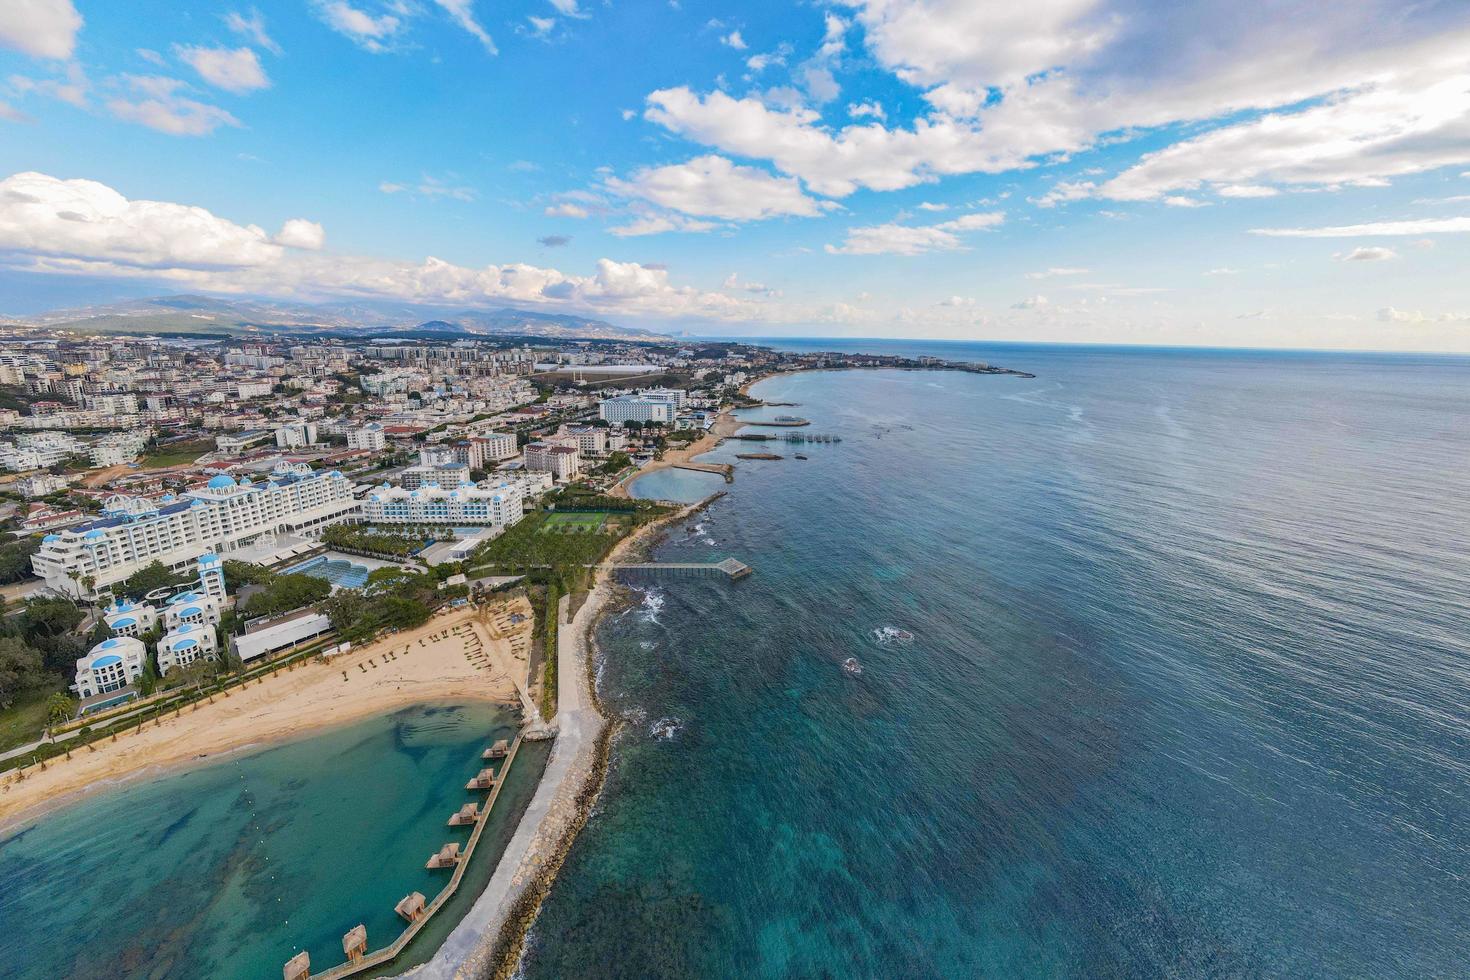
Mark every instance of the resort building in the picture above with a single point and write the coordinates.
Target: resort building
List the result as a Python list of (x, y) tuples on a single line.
[(497, 447), (221, 516), (126, 618), (110, 666), (183, 646), (280, 635), (466, 504), (442, 475), (238, 442), (191, 609), (370, 437), (295, 435), (589, 439), (629, 409), (562, 462)]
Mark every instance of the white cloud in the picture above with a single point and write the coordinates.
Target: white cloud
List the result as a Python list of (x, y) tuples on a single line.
[(10, 113), (1056, 271), (1346, 102), (931, 206), (1180, 201), (367, 31), (1246, 190), (462, 12), (712, 186), (252, 27), (82, 219), (569, 8), (657, 224), (300, 233), (1422, 226), (431, 188), (40, 28), (1390, 315), (1031, 303), (541, 26), (566, 210), (859, 110), (235, 70), (1367, 253), (1222, 271), (896, 239), (72, 87), (734, 40), (81, 227), (157, 103)]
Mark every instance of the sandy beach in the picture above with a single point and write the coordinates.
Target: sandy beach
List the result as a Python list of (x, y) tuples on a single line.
[(431, 663), (725, 425)]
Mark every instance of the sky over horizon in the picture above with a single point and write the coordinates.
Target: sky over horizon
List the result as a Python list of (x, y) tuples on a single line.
[(1277, 174)]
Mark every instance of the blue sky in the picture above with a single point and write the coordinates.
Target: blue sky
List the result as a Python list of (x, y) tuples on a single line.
[(1132, 171)]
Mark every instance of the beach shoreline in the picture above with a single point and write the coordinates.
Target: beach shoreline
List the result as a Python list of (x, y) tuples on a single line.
[(280, 707), (490, 938)]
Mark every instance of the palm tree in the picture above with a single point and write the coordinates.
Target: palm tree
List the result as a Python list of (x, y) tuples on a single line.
[(59, 710)]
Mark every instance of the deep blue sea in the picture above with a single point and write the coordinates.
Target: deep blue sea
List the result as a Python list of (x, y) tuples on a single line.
[(1184, 687)]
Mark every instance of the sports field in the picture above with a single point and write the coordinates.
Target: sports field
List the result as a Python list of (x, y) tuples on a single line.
[(556, 523)]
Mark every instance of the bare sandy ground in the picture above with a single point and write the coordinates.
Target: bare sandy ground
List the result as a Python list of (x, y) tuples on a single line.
[(432, 663)]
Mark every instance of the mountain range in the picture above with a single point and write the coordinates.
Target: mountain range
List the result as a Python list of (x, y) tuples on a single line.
[(190, 314)]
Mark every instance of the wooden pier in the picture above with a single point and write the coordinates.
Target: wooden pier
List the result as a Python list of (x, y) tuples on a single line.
[(411, 908)]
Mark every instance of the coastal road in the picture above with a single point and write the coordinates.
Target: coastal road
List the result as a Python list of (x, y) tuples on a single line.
[(469, 947)]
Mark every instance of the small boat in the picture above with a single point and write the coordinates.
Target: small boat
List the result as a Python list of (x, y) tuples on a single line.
[(852, 666), (888, 635), (800, 456)]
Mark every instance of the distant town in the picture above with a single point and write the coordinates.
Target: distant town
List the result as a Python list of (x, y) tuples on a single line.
[(161, 494)]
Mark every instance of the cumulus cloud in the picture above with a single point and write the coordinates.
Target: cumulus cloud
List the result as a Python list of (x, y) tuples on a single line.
[(1322, 102), (897, 239), (81, 227), (555, 241), (158, 102), (1367, 253), (714, 187), (566, 209), (734, 40), (251, 26), (1424, 226), (70, 86), (1031, 303), (40, 28), (1056, 271), (300, 233), (569, 8), (235, 70), (859, 110), (1390, 315), (82, 219)]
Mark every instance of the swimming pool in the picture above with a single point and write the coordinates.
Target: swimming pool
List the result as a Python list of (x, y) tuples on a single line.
[(343, 574)]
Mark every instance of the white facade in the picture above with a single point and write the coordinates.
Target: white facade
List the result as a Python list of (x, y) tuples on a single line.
[(467, 504), (562, 462), (498, 446), (126, 618), (183, 646), (443, 475), (222, 516), (110, 666), (369, 437), (625, 409), (294, 435)]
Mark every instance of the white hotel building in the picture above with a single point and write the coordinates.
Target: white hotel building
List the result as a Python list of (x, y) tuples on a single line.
[(221, 516), (466, 504)]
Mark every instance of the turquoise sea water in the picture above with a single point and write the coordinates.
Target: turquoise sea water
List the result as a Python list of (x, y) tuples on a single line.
[(1186, 693), (228, 870)]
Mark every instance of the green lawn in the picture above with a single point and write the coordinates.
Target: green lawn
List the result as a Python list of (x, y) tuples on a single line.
[(176, 454), (557, 522), (25, 721)]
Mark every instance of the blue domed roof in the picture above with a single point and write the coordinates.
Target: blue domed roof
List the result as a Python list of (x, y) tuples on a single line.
[(50, 537), (107, 661), (221, 482)]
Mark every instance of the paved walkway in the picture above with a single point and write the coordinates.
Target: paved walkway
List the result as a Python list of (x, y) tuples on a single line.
[(467, 951)]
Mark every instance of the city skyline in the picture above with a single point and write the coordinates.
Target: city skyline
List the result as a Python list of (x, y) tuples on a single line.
[(1079, 171)]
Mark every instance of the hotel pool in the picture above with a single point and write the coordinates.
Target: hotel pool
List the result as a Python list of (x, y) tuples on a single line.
[(343, 574)]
